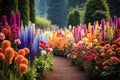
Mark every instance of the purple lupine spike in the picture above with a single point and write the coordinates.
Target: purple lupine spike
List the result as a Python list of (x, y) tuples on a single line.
[(79, 35), (22, 38), (12, 19), (103, 35), (4, 21), (115, 20), (118, 23), (111, 23), (116, 34), (15, 31), (103, 24), (18, 18)]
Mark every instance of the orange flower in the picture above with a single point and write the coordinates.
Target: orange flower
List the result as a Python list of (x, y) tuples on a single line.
[(9, 54), (106, 62), (18, 58), (115, 59), (27, 51), (24, 61), (21, 52), (5, 44), (2, 56), (16, 54), (23, 68), (5, 31)]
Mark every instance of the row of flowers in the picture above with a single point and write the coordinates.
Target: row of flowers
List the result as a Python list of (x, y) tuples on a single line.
[(94, 48), (24, 52)]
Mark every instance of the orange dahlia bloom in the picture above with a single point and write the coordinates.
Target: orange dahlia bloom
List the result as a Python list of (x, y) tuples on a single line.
[(23, 68), (5, 44), (21, 52), (18, 58), (2, 56), (9, 54), (16, 54), (27, 51), (5, 31), (24, 61)]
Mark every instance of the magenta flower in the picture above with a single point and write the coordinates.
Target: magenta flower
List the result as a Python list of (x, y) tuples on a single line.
[(2, 36)]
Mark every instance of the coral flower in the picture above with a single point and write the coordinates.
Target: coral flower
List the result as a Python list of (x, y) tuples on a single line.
[(5, 44), (21, 52), (23, 68), (27, 51), (16, 54), (5, 31), (2, 56), (24, 61), (17, 41), (9, 55), (2, 36), (18, 58)]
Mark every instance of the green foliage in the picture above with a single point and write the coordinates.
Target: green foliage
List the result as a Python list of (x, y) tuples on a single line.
[(43, 64), (57, 12), (32, 10), (24, 10), (114, 7), (42, 22), (96, 10), (74, 18), (7, 6)]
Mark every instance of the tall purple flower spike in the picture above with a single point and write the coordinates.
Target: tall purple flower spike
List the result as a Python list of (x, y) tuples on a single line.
[(103, 24), (115, 20), (111, 24), (18, 18), (12, 19), (4, 21), (118, 23)]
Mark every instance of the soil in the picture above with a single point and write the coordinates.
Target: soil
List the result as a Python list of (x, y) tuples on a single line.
[(63, 70)]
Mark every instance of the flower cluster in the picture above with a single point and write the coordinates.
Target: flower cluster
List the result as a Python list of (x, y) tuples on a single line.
[(12, 58)]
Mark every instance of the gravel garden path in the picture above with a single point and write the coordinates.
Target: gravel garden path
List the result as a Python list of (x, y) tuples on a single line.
[(63, 70)]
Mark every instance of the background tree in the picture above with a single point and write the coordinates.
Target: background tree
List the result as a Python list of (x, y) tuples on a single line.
[(114, 7), (32, 10), (57, 12), (74, 18), (41, 6), (74, 3), (8, 6), (23, 6), (96, 10)]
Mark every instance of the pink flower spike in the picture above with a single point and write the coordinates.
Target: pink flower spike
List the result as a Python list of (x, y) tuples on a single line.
[(17, 41), (2, 36)]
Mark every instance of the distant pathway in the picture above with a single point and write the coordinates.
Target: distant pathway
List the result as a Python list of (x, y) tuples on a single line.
[(63, 70)]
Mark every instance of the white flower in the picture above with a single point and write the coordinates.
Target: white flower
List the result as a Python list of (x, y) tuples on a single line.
[(51, 49), (43, 52)]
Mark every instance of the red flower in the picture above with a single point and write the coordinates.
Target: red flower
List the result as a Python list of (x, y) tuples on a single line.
[(48, 49)]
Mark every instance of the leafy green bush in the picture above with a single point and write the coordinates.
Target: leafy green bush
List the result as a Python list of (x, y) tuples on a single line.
[(43, 64), (42, 22)]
